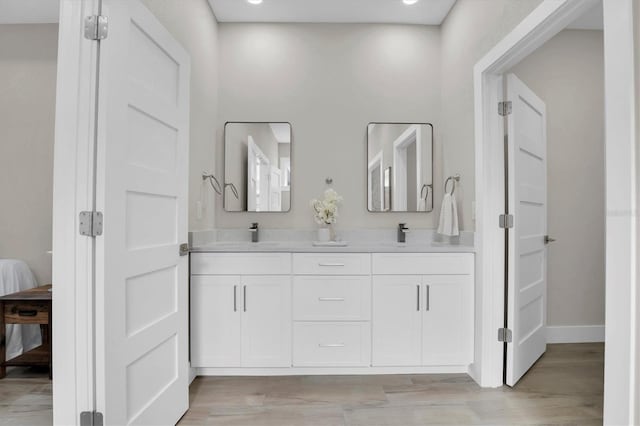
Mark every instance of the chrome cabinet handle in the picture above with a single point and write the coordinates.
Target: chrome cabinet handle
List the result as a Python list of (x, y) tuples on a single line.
[(330, 264), (235, 297), (244, 297), (331, 299), (331, 345), (418, 297), (428, 297)]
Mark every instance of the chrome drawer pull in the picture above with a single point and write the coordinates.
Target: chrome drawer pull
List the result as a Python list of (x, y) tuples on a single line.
[(331, 299), (330, 264), (235, 298), (428, 299), (331, 345)]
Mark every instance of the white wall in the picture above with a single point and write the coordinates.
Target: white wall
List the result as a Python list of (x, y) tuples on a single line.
[(329, 81), (568, 74), (193, 24), (28, 56), (469, 31)]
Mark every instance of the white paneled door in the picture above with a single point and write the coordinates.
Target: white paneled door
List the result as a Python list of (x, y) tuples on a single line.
[(527, 277), (141, 279)]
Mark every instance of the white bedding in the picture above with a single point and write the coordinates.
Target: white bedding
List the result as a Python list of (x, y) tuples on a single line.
[(16, 276)]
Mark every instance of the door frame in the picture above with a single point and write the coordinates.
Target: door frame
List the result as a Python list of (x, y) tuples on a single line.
[(377, 161), (73, 192), (542, 24), (401, 194)]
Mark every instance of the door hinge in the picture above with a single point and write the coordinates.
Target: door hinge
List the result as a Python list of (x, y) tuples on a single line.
[(506, 221), (90, 223), (505, 335), (91, 418), (505, 108), (96, 27)]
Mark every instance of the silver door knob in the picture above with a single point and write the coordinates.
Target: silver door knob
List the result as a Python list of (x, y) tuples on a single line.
[(548, 239)]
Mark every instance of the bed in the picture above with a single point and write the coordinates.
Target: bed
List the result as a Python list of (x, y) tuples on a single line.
[(16, 276)]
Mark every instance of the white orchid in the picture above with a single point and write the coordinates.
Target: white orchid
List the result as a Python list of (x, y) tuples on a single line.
[(325, 211)]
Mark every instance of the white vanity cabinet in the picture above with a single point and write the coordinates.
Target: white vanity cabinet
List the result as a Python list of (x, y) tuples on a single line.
[(332, 309), (241, 320), (422, 309), (331, 313)]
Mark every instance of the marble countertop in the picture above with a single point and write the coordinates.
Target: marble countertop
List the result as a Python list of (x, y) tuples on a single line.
[(354, 247)]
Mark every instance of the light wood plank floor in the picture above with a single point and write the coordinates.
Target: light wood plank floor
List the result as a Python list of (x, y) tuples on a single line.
[(564, 387)]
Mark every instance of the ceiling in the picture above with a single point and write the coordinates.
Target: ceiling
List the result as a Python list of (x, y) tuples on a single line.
[(591, 20), (426, 12), (29, 11)]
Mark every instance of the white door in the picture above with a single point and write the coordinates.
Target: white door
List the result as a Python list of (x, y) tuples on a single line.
[(266, 321), (527, 277), (253, 175), (397, 320), (141, 280), (275, 190), (215, 321), (447, 328)]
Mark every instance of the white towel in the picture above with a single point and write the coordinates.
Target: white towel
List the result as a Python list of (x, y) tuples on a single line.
[(449, 217)]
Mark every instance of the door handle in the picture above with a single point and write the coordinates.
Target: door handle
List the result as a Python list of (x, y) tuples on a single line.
[(331, 264), (244, 297), (331, 299), (418, 297), (235, 297), (428, 298), (548, 239), (184, 249)]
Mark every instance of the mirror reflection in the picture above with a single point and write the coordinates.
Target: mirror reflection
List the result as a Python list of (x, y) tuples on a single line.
[(400, 167), (257, 164)]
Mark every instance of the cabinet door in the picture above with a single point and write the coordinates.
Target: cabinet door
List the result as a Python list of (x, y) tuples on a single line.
[(266, 321), (397, 318), (447, 337), (215, 321)]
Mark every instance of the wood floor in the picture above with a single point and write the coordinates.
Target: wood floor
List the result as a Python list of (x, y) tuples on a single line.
[(564, 387)]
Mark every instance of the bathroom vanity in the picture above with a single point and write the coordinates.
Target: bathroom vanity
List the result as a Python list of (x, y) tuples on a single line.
[(278, 308)]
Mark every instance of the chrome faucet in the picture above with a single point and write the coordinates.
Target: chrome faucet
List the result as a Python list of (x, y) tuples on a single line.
[(254, 232), (402, 232)]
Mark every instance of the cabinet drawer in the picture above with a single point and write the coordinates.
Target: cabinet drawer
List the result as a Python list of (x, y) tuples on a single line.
[(335, 298), (331, 344), (332, 263), (240, 264), (26, 312), (423, 264)]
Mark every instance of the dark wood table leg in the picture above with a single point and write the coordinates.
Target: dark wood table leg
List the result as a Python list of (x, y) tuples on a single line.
[(49, 339), (3, 342)]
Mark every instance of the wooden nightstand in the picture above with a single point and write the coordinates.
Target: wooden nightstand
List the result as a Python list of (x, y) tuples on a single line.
[(31, 306)]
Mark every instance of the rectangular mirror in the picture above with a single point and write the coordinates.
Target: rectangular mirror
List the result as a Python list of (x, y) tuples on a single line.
[(400, 167), (257, 167)]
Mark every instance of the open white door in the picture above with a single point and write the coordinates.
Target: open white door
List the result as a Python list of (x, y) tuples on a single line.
[(141, 279), (527, 193)]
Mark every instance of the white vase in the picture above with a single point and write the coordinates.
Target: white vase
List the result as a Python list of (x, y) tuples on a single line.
[(324, 235)]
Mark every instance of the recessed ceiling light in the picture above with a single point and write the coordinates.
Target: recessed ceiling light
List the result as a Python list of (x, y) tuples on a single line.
[(409, 2), (258, 1)]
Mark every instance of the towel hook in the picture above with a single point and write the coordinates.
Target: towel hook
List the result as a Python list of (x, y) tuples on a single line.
[(428, 187), (233, 189), (215, 184), (455, 178)]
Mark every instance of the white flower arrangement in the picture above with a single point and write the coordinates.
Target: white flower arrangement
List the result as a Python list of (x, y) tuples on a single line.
[(325, 211)]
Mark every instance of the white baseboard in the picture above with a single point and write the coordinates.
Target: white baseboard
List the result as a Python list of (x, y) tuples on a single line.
[(575, 334)]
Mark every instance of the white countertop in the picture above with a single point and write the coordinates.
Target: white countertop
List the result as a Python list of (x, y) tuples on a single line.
[(308, 247)]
